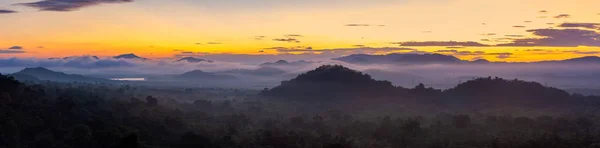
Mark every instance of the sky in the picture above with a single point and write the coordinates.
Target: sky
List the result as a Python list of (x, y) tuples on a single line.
[(496, 30)]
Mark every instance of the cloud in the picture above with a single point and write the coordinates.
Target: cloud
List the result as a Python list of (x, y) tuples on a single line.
[(363, 25), (214, 43), (440, 43), (16, 48), (68, 5), (539, 50), (517, 26), (460, 53), (581, 25), (12, 50), (512, 35), (259, 37), (528, 21), (558, 37), (290, 40), (502, 55), (6, 11), (563, 16), (543, 11), (336, 52), (73, 62), (190, 54), (294, 35), (357, 25)]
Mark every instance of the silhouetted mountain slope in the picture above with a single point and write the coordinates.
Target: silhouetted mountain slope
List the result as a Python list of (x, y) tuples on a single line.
[(262, 71), (587, 59), (24, 77), (329, 82), (336, 82), (286, 63), (400, 59), (481, 61), (444, 59), (46, 74), (201, 75), (193, 60), (129, 56), (84, 58)]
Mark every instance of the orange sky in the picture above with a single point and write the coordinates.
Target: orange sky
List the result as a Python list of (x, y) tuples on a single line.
[(161, 29)]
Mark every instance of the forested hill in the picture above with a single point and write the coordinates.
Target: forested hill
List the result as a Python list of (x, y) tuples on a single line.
[(63, 115), (331, 82), (335, 82)]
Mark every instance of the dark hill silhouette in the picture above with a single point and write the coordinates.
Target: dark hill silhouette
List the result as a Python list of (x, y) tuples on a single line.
[(24, 77), (49, 75), (334, 82), (129, 56), (193, 60), (481, 61), (587, 59), (201, 75), (400, 59), (329, 82), (516, 92)]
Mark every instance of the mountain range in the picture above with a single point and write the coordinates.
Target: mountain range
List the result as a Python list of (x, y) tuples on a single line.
[(338, 83), (129, 56), (286, 63), (444, 59), (193, 60), (40, 73)]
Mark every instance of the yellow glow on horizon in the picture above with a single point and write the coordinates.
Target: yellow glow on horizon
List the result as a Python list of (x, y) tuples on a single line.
[(161, 31)]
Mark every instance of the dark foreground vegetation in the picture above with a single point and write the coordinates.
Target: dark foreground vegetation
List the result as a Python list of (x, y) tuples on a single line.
[(330, 107)]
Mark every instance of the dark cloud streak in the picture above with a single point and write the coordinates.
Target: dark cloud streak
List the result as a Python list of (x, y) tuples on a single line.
[(68, 5), (6, 11)]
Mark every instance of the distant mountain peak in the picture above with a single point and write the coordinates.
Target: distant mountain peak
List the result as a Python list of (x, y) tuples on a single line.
[(42, 73), (128, 56), (193, 60), (585, 59), (36, 69), (199, 74), (286, 63), (481, 61), (397, 58), (282, 62)]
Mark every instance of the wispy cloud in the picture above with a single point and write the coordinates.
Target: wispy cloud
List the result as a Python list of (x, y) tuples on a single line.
[(581, 25), (558, 37), (563, 16), (6, 11), (439, 43), (68, 5), (12, 50), (502, 55), (290, 40)]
